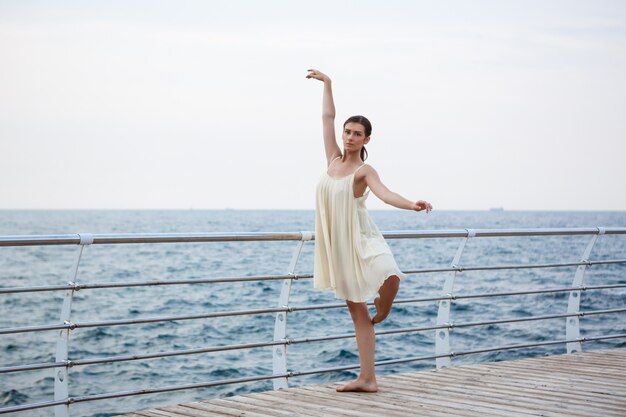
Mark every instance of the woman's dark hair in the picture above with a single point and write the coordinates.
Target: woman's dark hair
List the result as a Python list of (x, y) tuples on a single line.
[(362, 120)]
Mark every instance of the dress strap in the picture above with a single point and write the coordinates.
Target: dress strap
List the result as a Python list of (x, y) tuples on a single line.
[(331, 162), (356, 170)]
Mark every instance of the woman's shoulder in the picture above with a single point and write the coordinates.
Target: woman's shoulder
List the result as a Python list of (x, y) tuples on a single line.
[(367, 168), (364, 170)]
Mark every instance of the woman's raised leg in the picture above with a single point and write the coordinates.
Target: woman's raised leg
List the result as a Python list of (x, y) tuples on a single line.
[(366, 342), (387, 293)]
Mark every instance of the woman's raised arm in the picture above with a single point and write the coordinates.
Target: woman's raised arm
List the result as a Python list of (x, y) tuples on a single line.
[(328, 116)]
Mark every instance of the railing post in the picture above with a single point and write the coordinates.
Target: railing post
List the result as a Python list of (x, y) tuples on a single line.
[(442, 336), (61, 378), (280, 324), (572, 324)]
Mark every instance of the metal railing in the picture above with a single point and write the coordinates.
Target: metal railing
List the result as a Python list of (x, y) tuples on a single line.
[(443, 353)]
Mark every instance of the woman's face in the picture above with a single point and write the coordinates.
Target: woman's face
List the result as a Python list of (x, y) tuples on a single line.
[(353, 136)]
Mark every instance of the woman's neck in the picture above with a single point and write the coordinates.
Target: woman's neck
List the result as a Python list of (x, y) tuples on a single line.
[(352, 157)]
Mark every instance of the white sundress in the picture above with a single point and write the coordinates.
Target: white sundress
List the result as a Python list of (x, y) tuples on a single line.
[(351, 255)]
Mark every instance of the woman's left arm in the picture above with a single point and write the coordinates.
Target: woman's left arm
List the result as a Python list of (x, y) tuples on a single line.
[(389, 197)]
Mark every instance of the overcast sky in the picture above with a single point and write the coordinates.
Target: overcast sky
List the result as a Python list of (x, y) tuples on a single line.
[(204, 104)]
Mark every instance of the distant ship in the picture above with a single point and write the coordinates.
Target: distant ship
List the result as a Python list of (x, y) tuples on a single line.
[(496, 209)]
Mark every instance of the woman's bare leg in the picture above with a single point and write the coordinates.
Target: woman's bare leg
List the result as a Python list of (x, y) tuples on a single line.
[(383, 302), (366, 342)]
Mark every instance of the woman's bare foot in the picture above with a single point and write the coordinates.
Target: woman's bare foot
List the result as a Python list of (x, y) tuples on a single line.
[(384, 300), (380, 315), (377, 318), (359, 385)]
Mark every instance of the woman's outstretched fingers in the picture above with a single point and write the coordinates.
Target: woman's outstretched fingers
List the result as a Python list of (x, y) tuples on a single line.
[(422, 205), (318, 75)]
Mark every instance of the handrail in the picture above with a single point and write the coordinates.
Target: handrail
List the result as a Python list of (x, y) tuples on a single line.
[(443, 353), (91, 286), (108, 239)]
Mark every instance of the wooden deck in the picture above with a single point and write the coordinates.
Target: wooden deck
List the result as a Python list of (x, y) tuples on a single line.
[(584, 384)]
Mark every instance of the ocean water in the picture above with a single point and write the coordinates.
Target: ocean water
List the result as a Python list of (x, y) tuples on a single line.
[(33, 266)]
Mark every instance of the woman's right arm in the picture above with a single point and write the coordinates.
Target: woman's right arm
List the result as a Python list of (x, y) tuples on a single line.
[(328, 116)]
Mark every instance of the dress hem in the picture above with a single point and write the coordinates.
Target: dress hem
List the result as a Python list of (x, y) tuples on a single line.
[(400, 275)]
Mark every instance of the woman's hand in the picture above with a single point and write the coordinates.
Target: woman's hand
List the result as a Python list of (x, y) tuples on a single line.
[(318, 75), (422, 205)]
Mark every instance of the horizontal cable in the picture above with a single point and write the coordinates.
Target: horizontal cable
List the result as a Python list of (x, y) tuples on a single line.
[(551, 290), (125, 358), (88, 286), (535, 318), (74, 239), (552, 342), (73, 326), (121, 394), (32, 367), (523, 266), (78, 287), (458, 297), (32, 406), (454, 325)]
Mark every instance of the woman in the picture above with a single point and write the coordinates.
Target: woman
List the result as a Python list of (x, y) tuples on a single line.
[(351, 256)]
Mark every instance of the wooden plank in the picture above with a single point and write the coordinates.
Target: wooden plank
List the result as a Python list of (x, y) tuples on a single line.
[(572, 383), (289, 405), (528, 397), (588, 356), (563, 391), (329, 407), (534, 389), (387, 397), (154, 413), (269, 403), (366, 401), (454, 404), (185, 410), (549, 369), (414, 401), (143, 413), (573, 369), (250, 404), (531, 369), (454, 395), (617, 352), (212, 409)]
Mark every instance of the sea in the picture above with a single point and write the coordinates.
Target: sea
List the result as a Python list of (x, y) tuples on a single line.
[(53, 265)]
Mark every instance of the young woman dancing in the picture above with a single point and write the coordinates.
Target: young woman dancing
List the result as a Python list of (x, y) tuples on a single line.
[(351, 256)]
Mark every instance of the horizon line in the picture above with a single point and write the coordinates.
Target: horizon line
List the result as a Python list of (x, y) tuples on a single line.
[(494, 209)]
